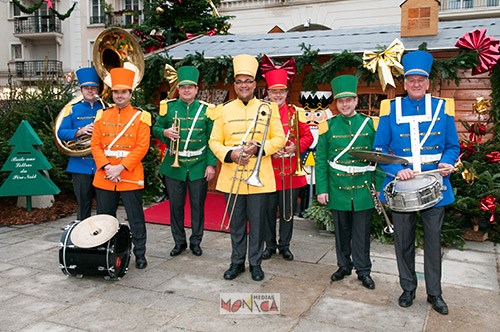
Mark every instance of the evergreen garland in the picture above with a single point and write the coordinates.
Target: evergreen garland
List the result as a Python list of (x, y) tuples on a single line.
[(62, 17), (28, 10)]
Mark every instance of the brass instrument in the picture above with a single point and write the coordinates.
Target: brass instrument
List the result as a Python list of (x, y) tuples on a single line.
[(389, 229), (253, 179), (292, 135), (174, 144), (114, 47)]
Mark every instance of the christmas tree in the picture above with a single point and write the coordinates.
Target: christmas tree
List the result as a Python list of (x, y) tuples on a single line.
[(25, 163)]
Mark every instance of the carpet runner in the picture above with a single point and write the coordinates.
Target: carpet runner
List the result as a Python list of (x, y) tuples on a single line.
[(214, 210)]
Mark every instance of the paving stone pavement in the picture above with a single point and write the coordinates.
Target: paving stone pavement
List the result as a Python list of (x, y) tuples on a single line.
[(183, 293)]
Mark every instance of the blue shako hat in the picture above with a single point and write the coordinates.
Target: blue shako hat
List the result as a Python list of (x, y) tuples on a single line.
[(417, 63), (87, 77)]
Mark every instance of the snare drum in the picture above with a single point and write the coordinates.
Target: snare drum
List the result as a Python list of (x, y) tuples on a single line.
[(419, 193), (109, 259)]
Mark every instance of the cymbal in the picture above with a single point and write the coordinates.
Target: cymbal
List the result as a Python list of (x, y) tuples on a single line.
[(378, 157), (94, 231)]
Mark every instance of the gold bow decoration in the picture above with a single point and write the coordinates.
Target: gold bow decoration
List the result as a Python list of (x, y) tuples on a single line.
[(170, 74), (481, 105), (387, 62)]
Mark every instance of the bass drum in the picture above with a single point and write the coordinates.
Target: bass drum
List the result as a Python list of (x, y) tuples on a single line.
[(109, 259)]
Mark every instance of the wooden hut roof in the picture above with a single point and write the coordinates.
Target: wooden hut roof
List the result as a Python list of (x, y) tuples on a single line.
[(355, 40)]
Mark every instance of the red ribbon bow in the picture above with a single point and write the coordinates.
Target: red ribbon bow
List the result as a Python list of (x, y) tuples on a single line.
[(476, 131), (268, 65), (486, 47), (488, 204), (493, 157)]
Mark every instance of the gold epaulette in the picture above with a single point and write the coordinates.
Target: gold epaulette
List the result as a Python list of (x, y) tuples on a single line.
[(68, 109), (214, 111), (98, 115), (145, 117), (385, 107), (449, 106)]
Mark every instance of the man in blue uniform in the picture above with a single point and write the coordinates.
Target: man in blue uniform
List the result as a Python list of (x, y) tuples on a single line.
[(78, 122), (421, 129)]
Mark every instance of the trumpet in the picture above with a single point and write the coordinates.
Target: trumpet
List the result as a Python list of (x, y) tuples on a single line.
[(389, 229), (174, 144), (292, 135), (253, 179)]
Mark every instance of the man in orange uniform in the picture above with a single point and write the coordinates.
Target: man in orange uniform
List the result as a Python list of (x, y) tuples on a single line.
[(285, 166), (119, 142)]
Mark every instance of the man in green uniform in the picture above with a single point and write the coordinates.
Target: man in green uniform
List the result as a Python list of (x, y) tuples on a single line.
[(342, 181), (192, 164)]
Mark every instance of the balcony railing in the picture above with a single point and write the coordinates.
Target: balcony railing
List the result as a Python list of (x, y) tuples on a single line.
[(39, 69), (124, 18), (37, 24), (450, 5), (97, 19)]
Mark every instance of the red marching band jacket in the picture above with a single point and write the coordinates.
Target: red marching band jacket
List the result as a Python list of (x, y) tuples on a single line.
[(306, 139)]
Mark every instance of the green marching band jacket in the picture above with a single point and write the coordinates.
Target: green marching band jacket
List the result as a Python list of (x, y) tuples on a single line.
[(196, 155), (344, 177)]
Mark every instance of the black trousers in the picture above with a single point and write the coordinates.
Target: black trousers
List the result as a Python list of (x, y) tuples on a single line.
[(276, 201), (352, 236), (107, 203), (84, 193), (404, 243), (197, 195), (251, 208)]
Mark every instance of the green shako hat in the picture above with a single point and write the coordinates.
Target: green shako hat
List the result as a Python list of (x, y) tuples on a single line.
[(344, 86), (187, 75)]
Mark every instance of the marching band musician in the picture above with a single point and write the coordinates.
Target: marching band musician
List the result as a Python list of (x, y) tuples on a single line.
[(422, 129), (120, 141), (284, 166), (195, 163), (232, 121), (342, 181), (79, 121)]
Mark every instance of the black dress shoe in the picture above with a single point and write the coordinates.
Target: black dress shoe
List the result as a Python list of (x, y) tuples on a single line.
[(287, 254), (406, 299), (234, 271), (178, 249), (268, 252), (141, 262), (257, 273), (340, 274), (367, 281), (438, 304), (196, 249)]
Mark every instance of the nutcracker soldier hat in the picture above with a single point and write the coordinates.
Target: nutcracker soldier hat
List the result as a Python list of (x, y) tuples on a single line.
[(417, 63), (122, 79), (187, 75), (245, 64), (344, 86), (276, 79), (87, 77)]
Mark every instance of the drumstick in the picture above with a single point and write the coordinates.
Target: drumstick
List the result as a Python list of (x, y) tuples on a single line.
[(140, 183), (437, 170)]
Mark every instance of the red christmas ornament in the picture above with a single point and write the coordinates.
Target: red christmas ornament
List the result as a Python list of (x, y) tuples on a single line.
[(493, 157), (488, 204), (486, 47)]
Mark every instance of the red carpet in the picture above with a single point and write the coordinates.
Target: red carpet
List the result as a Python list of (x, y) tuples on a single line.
[(214, 210)]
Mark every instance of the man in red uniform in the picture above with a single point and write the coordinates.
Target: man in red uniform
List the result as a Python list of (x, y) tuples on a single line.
[(284, 163), (119, 142)]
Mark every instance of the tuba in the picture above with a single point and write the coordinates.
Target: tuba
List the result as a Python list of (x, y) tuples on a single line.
[(113, 48)]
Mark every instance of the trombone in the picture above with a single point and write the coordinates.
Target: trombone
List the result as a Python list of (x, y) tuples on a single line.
[(253, 179), (174, 144), (293, 134)]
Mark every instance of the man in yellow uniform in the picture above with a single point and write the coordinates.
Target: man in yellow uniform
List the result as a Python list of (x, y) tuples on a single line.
[(119, 142), (235, 141)]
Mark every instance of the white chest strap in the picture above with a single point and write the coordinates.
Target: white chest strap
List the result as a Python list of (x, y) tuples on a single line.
[(192, 127), (124, 130)]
